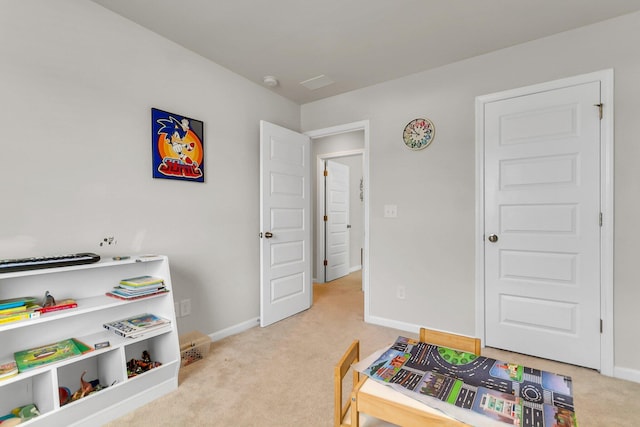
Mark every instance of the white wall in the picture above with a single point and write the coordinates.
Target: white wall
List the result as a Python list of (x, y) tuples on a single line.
[(429, 248), (77, 83)]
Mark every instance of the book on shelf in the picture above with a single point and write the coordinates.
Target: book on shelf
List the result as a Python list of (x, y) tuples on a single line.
[(64, 304), (16, 309), (126, 292), (141, 281), (13, 310), (17, 302), (43, 355), (141, 289), (14, 317), (127, 297), (8, 369), (135, 326)]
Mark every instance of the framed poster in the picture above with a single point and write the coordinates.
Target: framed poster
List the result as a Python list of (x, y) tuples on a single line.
[(177, 144)]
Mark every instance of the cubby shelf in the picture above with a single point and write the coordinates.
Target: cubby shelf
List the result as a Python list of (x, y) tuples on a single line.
[(87, 284)]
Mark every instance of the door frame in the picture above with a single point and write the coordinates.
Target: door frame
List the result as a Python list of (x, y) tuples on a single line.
[(321, 204), (362, 125), (605, 77)]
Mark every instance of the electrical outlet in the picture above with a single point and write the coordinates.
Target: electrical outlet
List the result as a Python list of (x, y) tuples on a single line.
[(108, 241), (185, 307), (390, 211), (400, 292)]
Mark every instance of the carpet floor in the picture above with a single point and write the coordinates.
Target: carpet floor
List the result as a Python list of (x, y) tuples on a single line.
[(282, 375)]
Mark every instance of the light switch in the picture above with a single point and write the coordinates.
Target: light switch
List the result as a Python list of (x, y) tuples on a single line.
[(390, 211)]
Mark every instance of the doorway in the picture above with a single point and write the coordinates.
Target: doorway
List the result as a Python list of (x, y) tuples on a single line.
[(339, 215), (544, 220), (361, 130)]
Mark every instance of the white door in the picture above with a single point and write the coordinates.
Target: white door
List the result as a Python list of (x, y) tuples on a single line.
[(285, 220), (542, 224), (336, 220)]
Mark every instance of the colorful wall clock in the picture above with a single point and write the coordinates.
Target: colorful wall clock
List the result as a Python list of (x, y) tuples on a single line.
[(418, 133)]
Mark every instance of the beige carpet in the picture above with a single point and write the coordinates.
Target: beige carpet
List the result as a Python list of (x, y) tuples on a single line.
[(282, 375)]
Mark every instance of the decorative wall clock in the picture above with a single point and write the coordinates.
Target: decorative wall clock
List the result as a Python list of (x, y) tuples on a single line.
[(418, 133)]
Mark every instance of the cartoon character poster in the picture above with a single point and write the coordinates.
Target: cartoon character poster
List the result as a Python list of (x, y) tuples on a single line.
[(178, 146)]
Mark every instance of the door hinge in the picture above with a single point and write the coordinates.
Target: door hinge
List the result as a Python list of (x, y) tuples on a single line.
[(326, 262), (326, 218), (326, 172), (599, 108), (601, 326), (600, 219)]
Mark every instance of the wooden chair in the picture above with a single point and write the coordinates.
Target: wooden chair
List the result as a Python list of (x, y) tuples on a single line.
[(381, 402), (351, 356), (445, 339)]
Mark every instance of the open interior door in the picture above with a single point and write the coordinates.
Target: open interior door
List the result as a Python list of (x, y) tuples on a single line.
[(285, 221), (336, 220)]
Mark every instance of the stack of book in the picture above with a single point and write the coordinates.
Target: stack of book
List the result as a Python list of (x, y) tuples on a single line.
[(138, 287), (133, 327), (12, 310)]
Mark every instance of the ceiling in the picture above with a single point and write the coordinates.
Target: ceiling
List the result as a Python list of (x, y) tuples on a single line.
[(355, 43)]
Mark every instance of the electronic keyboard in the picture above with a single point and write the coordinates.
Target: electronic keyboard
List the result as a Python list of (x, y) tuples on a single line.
[(21, 264)]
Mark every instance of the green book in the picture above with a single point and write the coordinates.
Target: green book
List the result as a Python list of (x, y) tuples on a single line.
[(39, 356), (141, 281)]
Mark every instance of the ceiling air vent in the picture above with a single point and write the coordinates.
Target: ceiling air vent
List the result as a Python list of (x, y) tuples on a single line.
[(317, 82)]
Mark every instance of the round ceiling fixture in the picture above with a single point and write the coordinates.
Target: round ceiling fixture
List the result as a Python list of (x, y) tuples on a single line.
[(270, 81)]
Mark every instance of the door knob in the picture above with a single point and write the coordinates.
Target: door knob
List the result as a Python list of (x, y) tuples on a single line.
[(268, 235), (493, 238)]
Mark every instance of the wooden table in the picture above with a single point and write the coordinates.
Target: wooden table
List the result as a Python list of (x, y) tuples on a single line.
[(478, 390)]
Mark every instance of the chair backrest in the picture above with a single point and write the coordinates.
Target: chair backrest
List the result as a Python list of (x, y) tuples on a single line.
[(351, 356), (445, 339)]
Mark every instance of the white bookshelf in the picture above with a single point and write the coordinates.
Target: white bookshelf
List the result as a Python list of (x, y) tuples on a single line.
[(87, 284)]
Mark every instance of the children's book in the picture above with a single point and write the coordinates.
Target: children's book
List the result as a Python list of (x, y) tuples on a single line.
[(141, 281), (14, 317), (16, 302), (8, 369), (141, 290), (60, 305), (43, 355), (136, 326), (122, 296), (13, 310)]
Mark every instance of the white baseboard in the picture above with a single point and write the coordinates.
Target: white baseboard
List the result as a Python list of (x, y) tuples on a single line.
[(235, 329), (627, 374), (389, 323)]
